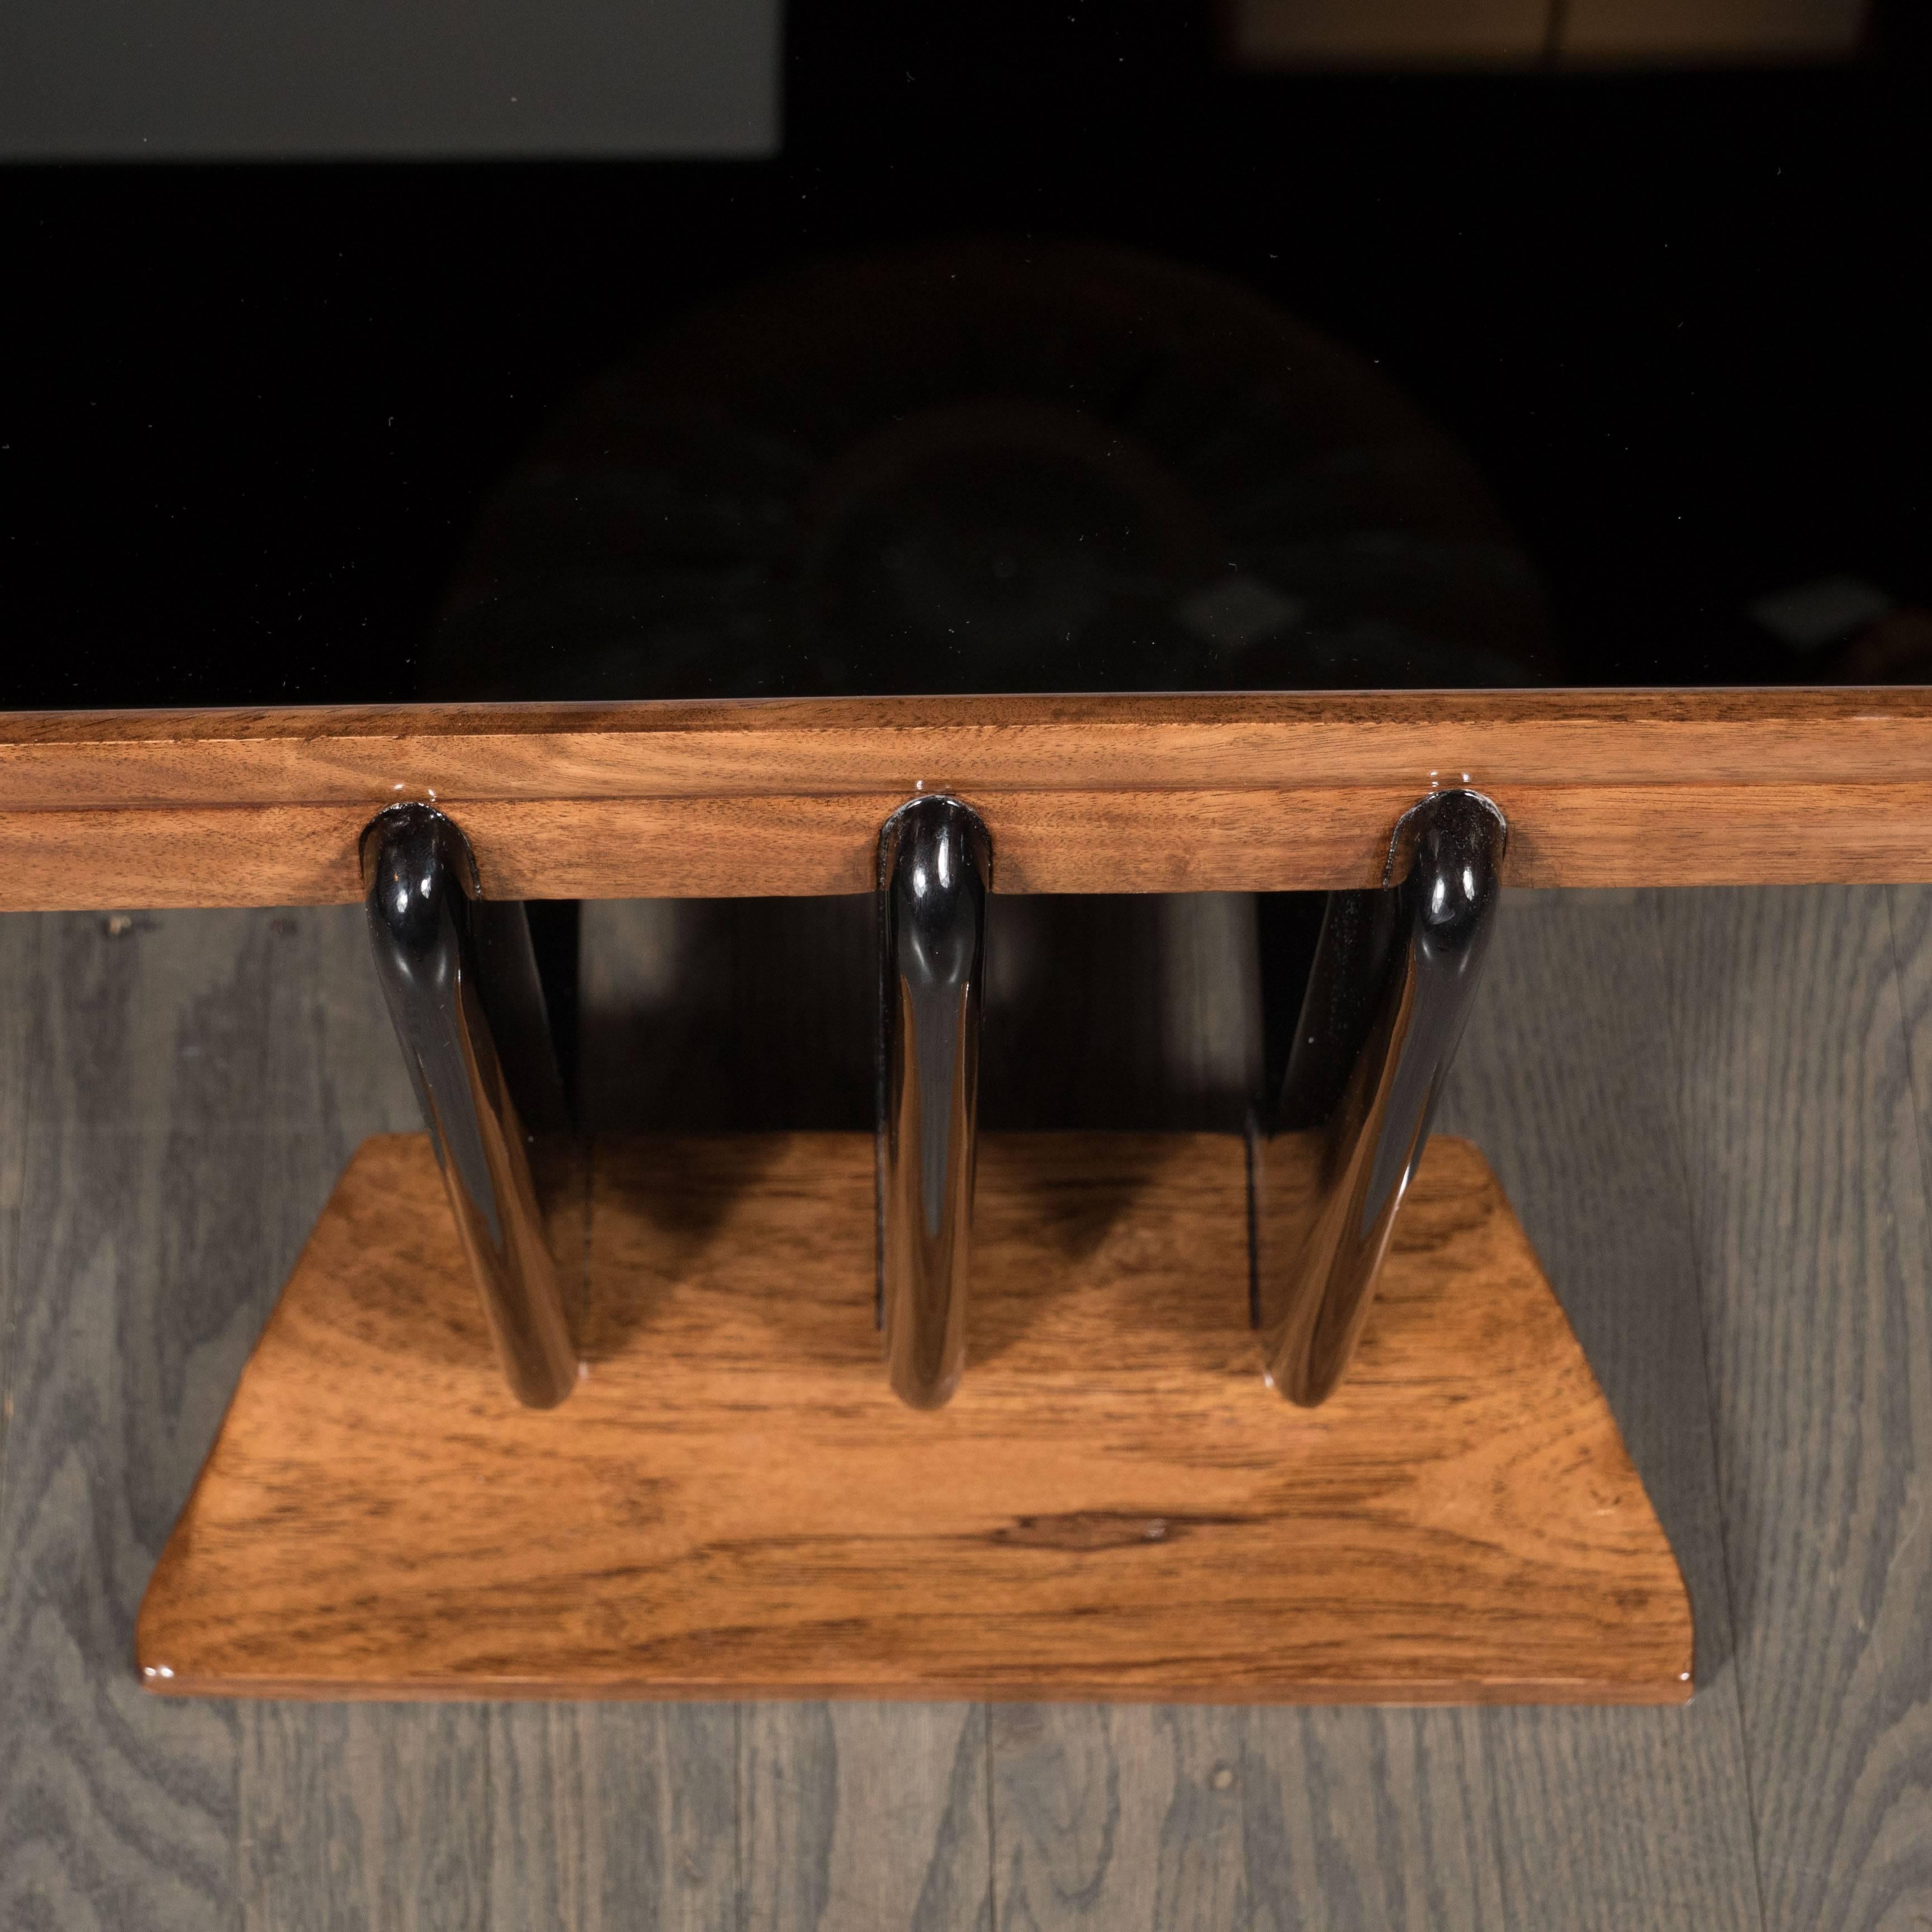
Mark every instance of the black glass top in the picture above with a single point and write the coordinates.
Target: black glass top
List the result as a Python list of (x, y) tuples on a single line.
[(1046, 357)]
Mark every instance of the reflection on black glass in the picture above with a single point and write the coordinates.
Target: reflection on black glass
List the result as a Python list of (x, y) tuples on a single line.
[(989, 466)]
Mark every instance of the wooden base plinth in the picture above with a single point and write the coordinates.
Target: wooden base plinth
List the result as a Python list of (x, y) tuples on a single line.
[(733, 1503)]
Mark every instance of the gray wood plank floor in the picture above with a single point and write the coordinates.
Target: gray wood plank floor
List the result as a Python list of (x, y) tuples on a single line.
[(1712, 1110)]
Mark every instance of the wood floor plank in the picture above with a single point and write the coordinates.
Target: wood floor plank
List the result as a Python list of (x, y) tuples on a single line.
[(155, 1217), (864, 1814), (1564, 1079), (1448, 1818), (1372, 1819), (609, 1816), (19, 945), (425, 1817), (1118, 1815), (365, 1816), (1808, 1192), (1203, 1818), (203, 1077)]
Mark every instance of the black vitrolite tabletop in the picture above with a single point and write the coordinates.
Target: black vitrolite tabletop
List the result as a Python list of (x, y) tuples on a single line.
[(1046, 356)]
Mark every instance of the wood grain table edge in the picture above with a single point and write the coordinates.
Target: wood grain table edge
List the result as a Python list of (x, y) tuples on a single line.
[(315, 755), (784, 797), (1067, 840)]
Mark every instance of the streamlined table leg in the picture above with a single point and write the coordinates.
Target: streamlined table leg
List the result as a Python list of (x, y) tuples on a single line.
[(935, 862), (1394, 975), (460, 981)]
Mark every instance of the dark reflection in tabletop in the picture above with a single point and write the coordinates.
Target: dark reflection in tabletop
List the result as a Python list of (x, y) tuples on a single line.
[(992, 465), (1049, 354)]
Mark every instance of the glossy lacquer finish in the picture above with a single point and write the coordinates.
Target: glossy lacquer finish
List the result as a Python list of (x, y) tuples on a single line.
[(450, 964), (1393, 976), (935, 865)]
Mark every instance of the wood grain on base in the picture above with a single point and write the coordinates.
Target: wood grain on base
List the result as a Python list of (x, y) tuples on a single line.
[(1081, 794), (733, 1503)]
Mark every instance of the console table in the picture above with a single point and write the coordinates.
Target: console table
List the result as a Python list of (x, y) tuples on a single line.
[(942, 578), (1128, 793)]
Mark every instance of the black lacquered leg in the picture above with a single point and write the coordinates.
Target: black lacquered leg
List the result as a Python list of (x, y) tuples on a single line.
[(935, 862), (1393, 976), (461, 984)]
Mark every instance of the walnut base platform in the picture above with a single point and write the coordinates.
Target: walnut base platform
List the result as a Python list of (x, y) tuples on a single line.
[(733, 1504)]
